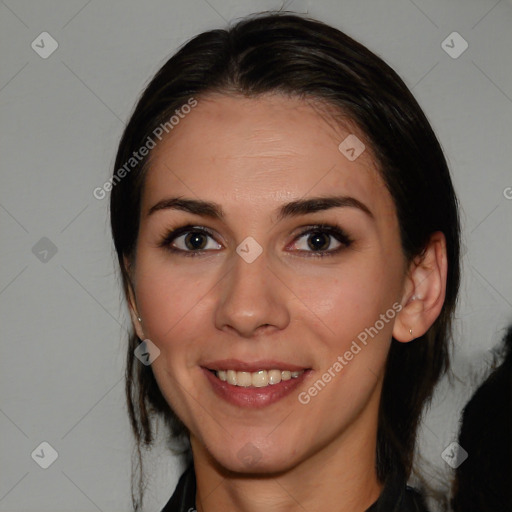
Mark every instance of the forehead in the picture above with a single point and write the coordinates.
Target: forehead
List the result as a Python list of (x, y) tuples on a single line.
[(263, 150)]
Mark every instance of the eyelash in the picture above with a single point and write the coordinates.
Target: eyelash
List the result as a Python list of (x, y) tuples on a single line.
[(330, 229)]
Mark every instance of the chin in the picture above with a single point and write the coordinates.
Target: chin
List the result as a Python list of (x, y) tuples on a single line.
[(261, 464), (256, 457)]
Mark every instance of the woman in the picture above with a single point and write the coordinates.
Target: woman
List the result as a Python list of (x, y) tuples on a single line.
[(288, 238)]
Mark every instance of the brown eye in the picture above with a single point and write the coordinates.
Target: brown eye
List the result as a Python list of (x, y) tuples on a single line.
[(189, 240), (319, 241), (195, 241), (322, 240)]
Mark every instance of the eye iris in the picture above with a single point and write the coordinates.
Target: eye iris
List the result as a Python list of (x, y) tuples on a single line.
[(195, 241), (318, 241)]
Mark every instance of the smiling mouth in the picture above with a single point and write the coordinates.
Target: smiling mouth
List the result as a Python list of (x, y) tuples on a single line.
[(259, 379)]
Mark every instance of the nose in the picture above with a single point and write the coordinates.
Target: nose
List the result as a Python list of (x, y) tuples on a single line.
[(252, 300)]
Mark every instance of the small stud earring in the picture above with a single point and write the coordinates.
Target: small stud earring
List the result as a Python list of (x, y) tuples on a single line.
[(410, 332), (139, 319)]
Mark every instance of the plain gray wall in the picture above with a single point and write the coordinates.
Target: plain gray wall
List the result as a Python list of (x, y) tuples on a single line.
[(63, 323)]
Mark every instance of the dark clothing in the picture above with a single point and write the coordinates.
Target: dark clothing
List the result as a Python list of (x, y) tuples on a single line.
[(396, 496)]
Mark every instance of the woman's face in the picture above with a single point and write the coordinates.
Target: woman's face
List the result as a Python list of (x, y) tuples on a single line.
[(291, 261)]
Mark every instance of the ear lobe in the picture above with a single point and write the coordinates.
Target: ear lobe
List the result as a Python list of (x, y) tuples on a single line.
[(132, 304), (424, 291)]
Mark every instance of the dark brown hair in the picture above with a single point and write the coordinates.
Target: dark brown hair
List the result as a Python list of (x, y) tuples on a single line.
[(482, 481), (283, 53)]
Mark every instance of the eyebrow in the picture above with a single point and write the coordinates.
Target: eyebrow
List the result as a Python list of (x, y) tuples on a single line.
[(292, 209)]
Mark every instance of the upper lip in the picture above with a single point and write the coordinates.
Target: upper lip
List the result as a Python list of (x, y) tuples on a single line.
[(252, 366)]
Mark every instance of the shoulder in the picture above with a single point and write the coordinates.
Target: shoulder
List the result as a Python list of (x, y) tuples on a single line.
[(413, 501), (397, 496), (184, 497)]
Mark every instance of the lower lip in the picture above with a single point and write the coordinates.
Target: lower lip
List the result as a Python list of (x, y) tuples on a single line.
[(253, 397)]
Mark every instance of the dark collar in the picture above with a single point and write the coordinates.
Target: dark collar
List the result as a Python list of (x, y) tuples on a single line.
[(396, 496)]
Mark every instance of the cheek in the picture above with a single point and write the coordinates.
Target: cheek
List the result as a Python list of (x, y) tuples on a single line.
[(169, 299), (170, 304), (350, 297)]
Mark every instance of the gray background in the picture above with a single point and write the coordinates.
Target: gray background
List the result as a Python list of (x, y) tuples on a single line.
[(63, 323)]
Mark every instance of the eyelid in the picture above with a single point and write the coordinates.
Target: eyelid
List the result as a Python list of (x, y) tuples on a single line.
[(332, 230), (172, 234)]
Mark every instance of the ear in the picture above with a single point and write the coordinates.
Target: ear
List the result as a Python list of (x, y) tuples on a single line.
[(424, 291), (132, 303)]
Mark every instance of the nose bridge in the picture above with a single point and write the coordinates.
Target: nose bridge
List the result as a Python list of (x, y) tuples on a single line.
[(251, 296)]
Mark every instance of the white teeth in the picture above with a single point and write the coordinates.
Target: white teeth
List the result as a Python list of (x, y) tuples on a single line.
[(274, 376), (259, 379), (231, 377), (243, 379)]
